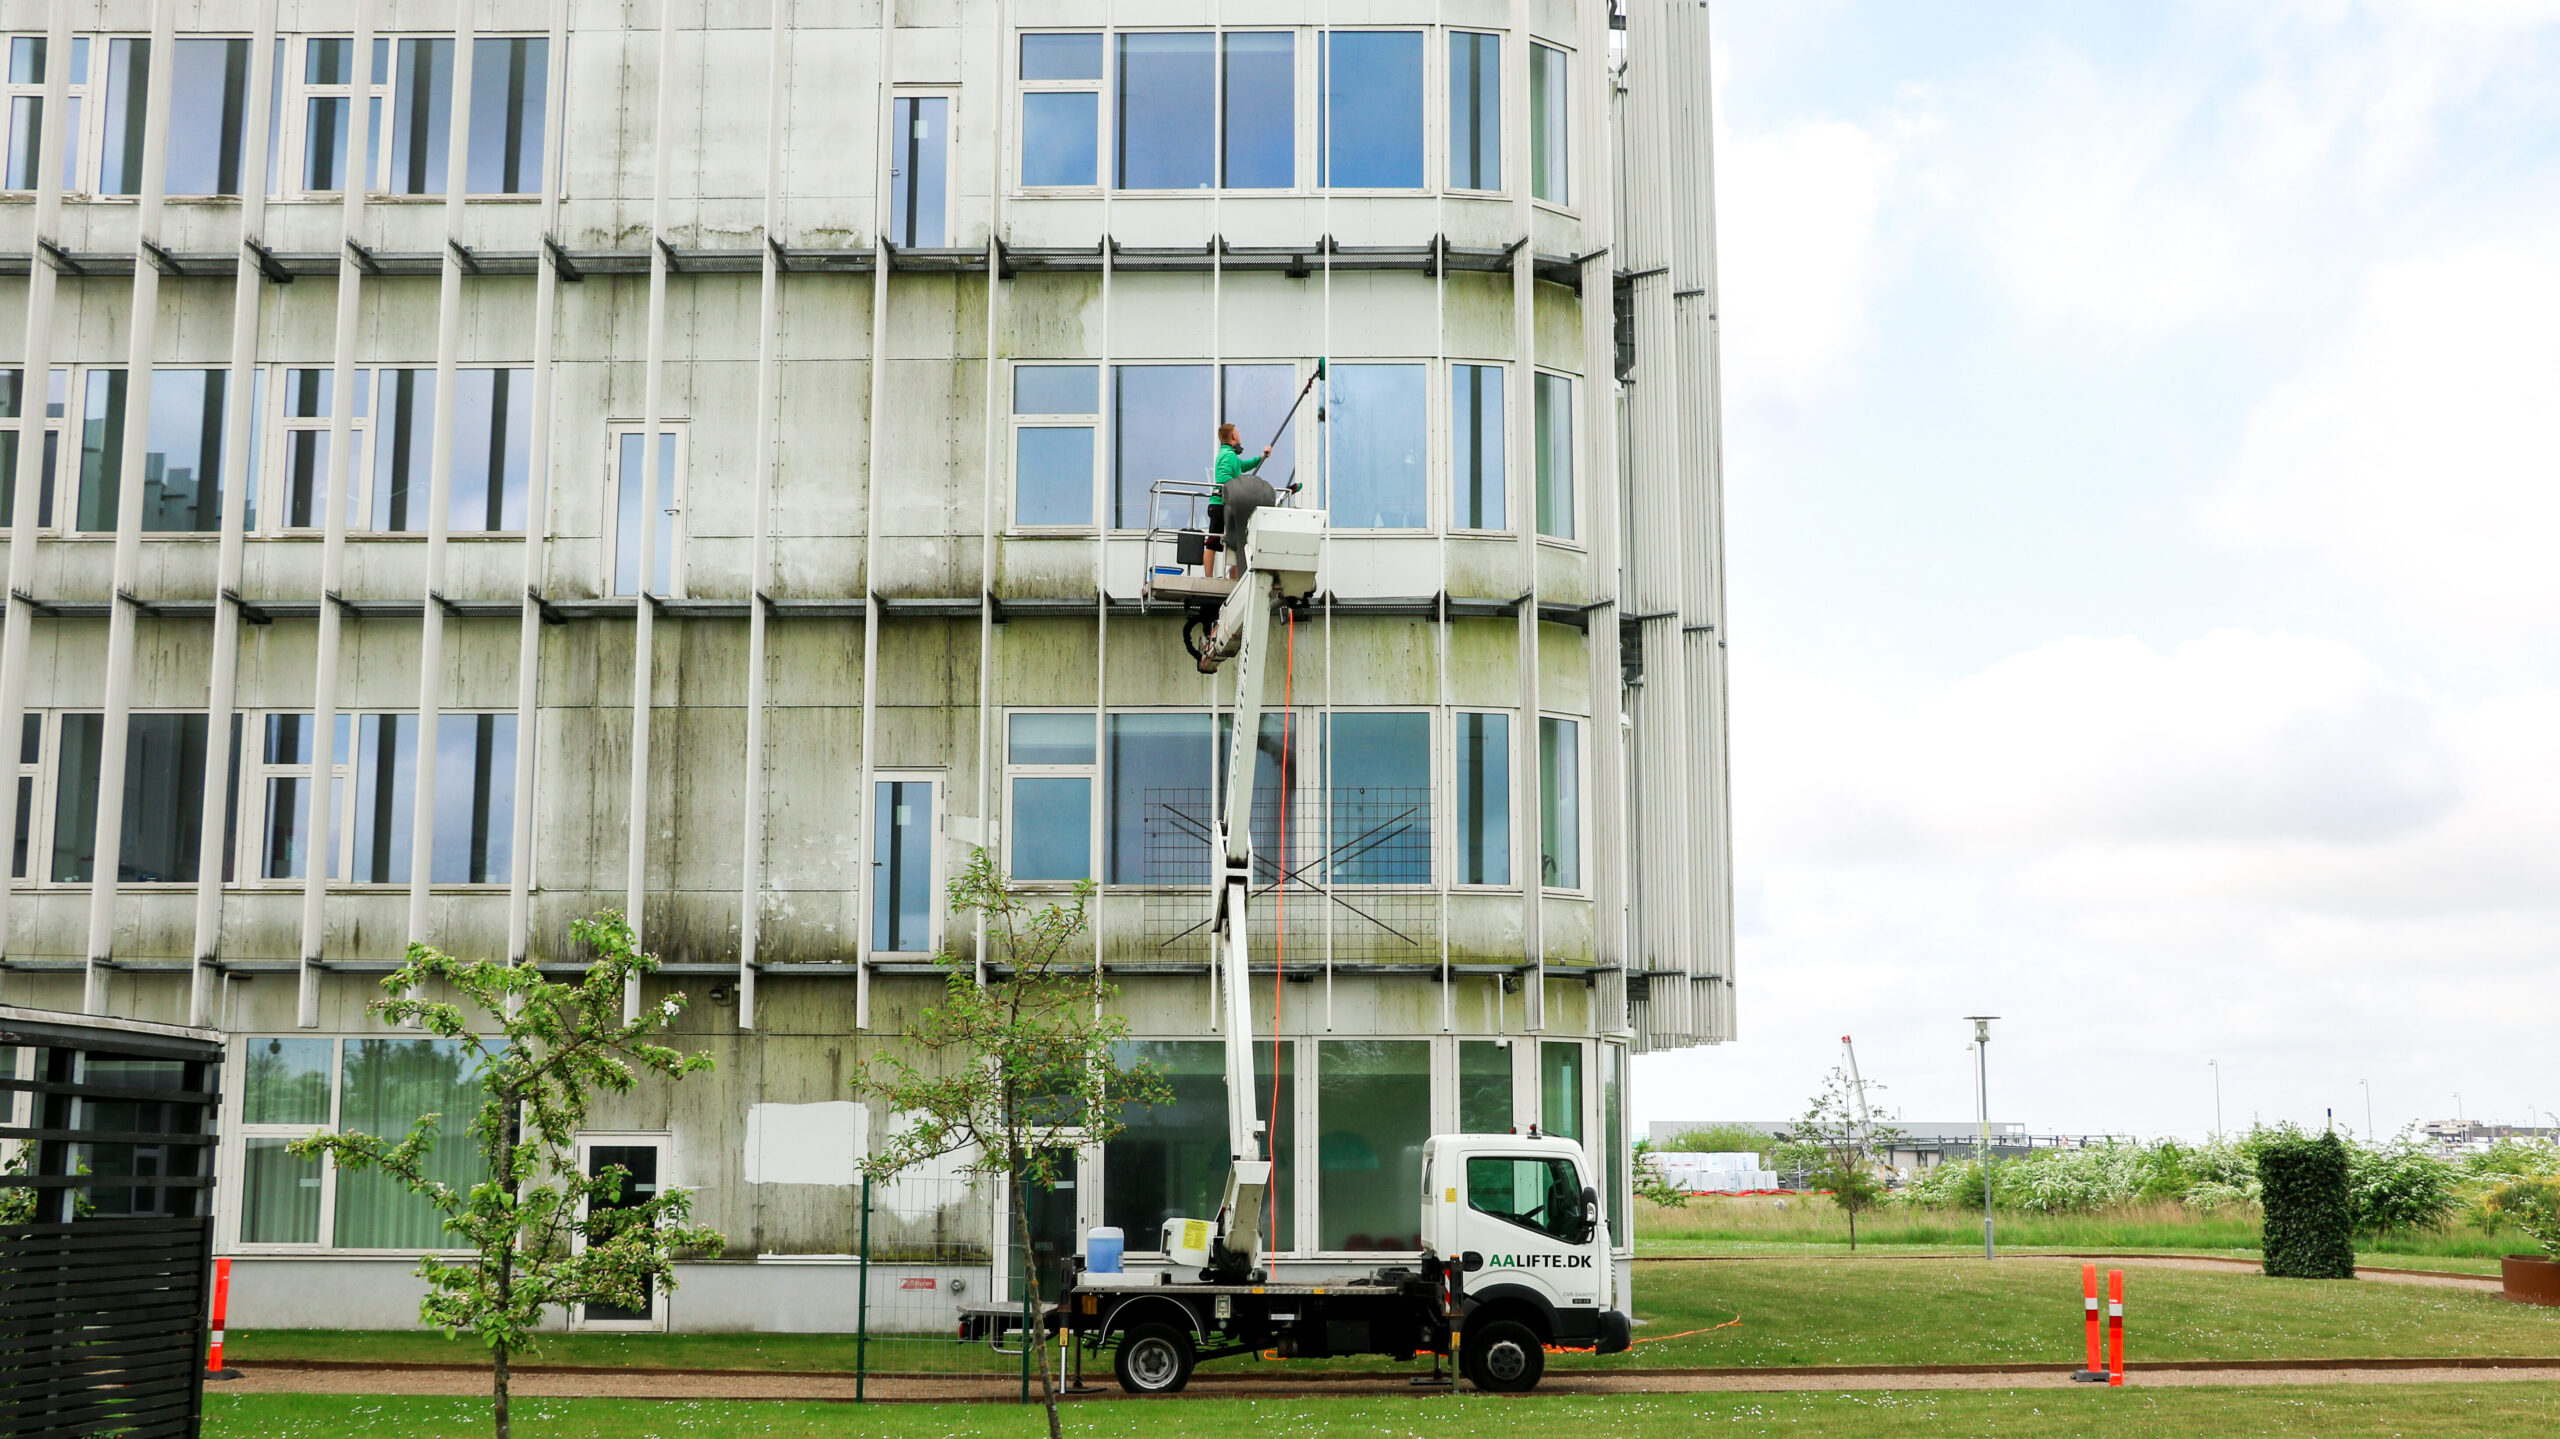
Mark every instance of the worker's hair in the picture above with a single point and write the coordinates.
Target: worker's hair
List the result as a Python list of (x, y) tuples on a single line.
[(1227, 435)]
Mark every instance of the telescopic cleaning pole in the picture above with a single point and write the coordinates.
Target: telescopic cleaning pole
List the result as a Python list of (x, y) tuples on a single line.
[(1294, 404)]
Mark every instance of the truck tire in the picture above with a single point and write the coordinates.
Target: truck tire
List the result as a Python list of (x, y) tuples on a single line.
[(1153, 1359), (1503, 1357)]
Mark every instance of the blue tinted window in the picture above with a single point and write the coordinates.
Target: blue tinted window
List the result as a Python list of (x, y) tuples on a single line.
[(208, 116), (1372, 100), (128, 81), (421, 116), (1379, 821), (1053, 475), (1484, 799), (1055, 389), (1261, 120), (1379, 438), (1165, 107), (510, 78), (1547, 124), (1052, 827), (492, 449), (1475, 111), (1049, 739), (919, 169), (1476, 483), (1062, 57), (1061, 137), (474, 835), (1255, 399), (1161, 429)]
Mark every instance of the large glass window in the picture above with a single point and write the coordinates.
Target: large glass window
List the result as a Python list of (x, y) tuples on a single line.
[(1484, 1087), (13, 424), (1161, 429), (120, 147), (388, 1085), (1166, 781), (475, 799), (1255, 399), (1371, 115), (1379, 823), (492, 450), (1169, 1160), (1555, 455), (902, 830), (1476, 481), (29, 769), (1061, 109), (1165, 112), (182, 459), (1475, 111), (285, 1096), (1484, 798), (307, 415), (421, 116), (1373, 1114), (1380, 437), (1548, 127), (510, 82), (919, 170), (1260, 116), (1054, 410), (631, 480), (163, 826), (1049, 760), (328, 117), (26, 111), (208, 116), (1560, 802), (405, 454), (1560, 1088), (101, 450), (287, 837), (386, 783)]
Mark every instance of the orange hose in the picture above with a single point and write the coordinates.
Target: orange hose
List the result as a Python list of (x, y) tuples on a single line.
[(1650, 1338)]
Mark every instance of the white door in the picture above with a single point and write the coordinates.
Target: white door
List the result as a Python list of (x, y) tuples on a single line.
[(646, 1162)]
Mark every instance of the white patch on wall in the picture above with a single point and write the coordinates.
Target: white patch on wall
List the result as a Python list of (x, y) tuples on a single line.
[(806, 1143)]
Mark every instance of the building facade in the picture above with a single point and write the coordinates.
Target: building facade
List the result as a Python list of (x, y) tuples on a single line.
[(703, 459)]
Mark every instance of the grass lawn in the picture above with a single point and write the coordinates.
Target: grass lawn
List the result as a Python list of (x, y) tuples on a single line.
[(1818, 1311), (2328, 1411), (1810, 1223)]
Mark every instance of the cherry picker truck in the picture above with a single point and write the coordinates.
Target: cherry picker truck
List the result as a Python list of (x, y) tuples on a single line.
[(1515, 1245)]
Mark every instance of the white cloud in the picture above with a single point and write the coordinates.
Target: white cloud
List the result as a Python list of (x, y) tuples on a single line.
[(1799, 254)]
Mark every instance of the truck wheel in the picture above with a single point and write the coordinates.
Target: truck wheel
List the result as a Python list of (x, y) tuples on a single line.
[(1503, 1357), (1154, 1359)]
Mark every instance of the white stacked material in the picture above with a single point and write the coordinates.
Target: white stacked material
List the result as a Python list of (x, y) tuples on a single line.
[(1712, 1173)]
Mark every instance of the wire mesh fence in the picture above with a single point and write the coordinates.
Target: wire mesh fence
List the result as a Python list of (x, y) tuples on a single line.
[(939, 1316), (1343, 874)]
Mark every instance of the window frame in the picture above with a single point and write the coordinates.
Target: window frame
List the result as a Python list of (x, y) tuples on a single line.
[(1573, 404), (30, 780), (275, 501), (235, 1195), (255, 811), (611, 521), (937, 786), (660, 1298), (1448, 90), (1093, 422), (950, 142), (1099, 87), (1567, 60), (48, 804), (1509, 771), (1090, 772), (1436, 511), (64, 448), (293, 140), (77, 93), (1581, 888), (1448, 460)]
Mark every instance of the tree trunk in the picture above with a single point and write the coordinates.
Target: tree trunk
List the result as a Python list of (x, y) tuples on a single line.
[(498, 1397), (506, 1273), (1038, 1337)]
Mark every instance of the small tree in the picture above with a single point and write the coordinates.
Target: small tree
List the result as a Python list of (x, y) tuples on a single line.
[(2402, 1187), (1835, 1147), (1652, 1184), (2310, 1208), (1015, 1068), (543, 1235), (2530, 1202)]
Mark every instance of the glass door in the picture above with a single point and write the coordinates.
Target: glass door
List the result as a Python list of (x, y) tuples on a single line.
[(904, 917), (643, 1164)]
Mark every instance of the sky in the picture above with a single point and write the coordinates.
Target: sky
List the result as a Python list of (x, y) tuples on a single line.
[(2142, 484)]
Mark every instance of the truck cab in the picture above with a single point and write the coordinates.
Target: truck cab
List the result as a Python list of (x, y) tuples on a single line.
[(1520, 1220)]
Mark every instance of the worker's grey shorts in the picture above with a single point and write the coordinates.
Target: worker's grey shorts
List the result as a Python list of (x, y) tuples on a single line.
[(1245, 494)]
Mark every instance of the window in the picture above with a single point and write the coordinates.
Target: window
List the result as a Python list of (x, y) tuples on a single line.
[(1379, 439), (421, 115), (1370, 93), (163, 799), (403, 461), (1061, 109), (1049, 762), (1613, 1127), (1170, 1160), (1165, 112), (13, 402), (1166, 780), (1373, 1114), (1256, 398), (1161, 429), (1054, 410), (1484, 798), (1560, 1088), (1543, 1194), (631, 468), (1475, 458), (26, 111), (1555, 456), (386, 1086), (182, 456), (120, 147), (1475, 111), (902, 887), (328, 117), (29, 770), (1378, 825), (919, 170), (510, 86), (1560, 802), (287, 838), (1547, 124), (1258, 114), (386, 786), (475, 799), (492, 450), (208, 116), (306, 420), (286, 1095), (644, 1163), (1484, 1086)]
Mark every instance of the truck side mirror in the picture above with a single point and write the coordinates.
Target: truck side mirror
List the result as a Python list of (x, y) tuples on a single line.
[(1590, 1215)]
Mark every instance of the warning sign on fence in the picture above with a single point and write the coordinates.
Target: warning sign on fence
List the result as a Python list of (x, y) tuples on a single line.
[(920, 1281)]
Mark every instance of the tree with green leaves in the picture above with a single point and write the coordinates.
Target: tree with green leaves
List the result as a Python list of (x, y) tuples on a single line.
[(543, 1234), (1836, 1143), (1015, 1068)]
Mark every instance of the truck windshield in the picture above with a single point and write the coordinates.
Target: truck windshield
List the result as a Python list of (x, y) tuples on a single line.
[(1541, 1194)]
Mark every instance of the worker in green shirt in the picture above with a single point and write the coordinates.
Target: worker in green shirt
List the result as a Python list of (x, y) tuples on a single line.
[(1237, 493)]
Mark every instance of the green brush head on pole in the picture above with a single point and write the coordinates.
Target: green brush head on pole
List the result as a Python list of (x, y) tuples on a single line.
[(1319, 367)]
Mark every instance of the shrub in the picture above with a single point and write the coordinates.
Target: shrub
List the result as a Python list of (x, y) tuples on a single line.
[(1720, 1139), (2310, 1208), (2530, 1203), (2400, 1186)]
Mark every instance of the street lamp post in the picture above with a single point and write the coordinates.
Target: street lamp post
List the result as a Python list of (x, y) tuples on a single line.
[(2368, 1109), (2216, 1065), (1982, 1082)]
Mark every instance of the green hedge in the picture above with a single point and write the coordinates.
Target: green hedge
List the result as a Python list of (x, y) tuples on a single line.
[(2310, 1208)]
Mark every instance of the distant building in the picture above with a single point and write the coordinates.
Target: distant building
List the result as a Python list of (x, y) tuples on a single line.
[(1917, 1146), (2466, 1136)]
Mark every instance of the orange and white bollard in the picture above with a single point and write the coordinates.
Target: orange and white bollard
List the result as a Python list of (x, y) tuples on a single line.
[(221, 1310), (2096, 1373), (2115, 1327)]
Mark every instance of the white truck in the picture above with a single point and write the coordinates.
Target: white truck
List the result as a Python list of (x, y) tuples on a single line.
[(1515, 1254)]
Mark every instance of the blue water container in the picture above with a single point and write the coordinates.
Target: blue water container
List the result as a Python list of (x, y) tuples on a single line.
[(1102, 1251)]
